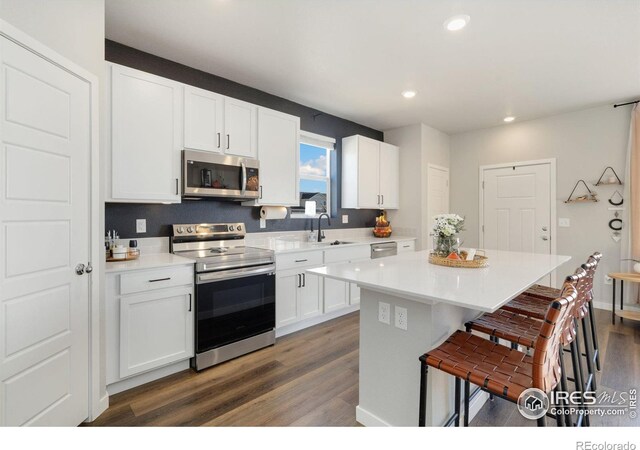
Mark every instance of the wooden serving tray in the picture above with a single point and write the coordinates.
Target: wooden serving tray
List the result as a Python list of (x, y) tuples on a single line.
[(478, 262), (128, 258)]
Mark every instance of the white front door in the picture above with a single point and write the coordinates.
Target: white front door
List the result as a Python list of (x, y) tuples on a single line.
[(517, 208), (438, 192), (45, 135)]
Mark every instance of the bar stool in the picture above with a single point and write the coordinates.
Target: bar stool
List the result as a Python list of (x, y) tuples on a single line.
[(523, 330), (534, 305), (528, 302), (500, 370)]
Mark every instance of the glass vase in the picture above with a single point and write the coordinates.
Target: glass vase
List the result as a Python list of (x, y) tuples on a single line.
[(444, 245)]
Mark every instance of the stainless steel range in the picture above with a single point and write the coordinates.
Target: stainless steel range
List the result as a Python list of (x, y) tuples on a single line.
[(235, 291)]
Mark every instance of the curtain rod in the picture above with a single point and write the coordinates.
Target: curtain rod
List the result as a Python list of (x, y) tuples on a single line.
[(628, 103)]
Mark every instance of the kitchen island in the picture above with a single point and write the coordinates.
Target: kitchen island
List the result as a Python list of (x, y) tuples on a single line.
[(431, 302)]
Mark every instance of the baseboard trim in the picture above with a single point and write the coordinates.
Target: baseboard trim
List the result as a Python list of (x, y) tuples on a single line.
[(298, 326), (367, 419), (147, 377), (606, 306)]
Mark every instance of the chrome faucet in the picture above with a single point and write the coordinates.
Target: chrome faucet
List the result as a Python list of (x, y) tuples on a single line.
[(320, 233)]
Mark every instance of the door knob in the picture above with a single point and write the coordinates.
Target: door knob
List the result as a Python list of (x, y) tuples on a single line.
[(545, 238), (544, 228), (80, 269), (89, 268)]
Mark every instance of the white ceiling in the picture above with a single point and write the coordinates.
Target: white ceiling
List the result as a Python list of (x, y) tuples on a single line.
[(353, 58)]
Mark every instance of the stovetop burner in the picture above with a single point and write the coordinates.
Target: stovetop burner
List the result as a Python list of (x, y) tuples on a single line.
[(217, 246)]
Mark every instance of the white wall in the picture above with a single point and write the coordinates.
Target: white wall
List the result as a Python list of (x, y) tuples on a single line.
[(420, 145), (75, 30), (584, 143)]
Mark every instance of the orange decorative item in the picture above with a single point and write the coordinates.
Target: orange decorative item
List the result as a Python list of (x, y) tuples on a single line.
[(383, 226), (453, 255)]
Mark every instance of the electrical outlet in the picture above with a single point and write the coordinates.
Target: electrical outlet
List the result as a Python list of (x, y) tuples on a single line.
[(384, 312), (263, 223), (401, 317), (345, 218), (608, 279), (564, 222), (141, 225)]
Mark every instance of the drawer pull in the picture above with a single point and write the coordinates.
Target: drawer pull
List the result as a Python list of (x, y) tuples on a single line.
[(406, 246), (160, 279), (301, 260), (189, 302)]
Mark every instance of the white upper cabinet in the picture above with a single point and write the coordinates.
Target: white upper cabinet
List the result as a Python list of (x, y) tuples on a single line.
[(278, 150), (389, 176), (240, 128), (145, 138), (370, 174), (203, 120)]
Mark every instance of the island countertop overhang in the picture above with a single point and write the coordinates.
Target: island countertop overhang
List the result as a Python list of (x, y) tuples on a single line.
[(411, 276)]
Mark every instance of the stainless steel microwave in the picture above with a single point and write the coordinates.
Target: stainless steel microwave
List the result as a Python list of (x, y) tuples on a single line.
[(206, 174)]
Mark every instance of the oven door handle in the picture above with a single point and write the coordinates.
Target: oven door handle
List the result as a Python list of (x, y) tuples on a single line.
[(224, 275)]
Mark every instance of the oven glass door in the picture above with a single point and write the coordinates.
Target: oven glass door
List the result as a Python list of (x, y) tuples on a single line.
[(231, 310)]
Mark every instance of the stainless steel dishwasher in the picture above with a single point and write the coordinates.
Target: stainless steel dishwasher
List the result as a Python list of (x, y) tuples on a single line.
[(384, 249)]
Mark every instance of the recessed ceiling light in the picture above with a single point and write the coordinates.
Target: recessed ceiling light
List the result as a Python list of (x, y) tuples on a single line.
[(456, 23), (509, 119), (408, 94)]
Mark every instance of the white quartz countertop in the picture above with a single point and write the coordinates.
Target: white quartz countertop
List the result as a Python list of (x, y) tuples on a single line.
[(150, 261), (279, 245), (410, 275)]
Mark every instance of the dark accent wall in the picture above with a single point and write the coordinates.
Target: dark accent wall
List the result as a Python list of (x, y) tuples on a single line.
[(122, 216)]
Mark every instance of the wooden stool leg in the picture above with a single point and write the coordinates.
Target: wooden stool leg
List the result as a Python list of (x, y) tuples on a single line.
[(590, 384), (467, 394), (594, 335), (563, 386), (422, 417), (457, 400)]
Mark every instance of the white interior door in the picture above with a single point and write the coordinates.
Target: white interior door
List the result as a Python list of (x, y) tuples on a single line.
[(45, 147), (438, 192), (517, 209)]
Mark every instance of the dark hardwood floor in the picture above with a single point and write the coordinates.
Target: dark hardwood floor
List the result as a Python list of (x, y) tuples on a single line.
[(310, 378)]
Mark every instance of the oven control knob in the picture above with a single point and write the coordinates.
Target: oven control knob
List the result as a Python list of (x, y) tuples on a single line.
[(189, 229), (230, 227), (239, 228), (180, 229)]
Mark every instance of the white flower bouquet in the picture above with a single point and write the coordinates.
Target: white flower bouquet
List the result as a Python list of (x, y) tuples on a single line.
[(445, 230)]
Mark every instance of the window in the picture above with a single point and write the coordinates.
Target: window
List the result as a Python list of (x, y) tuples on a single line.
[(315, 174)]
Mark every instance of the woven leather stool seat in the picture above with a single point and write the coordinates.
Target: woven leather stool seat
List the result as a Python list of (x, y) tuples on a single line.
[(495, 367), (544, 292), (509, 326), (528, 305)]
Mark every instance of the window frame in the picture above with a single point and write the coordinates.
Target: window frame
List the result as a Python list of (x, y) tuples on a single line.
[(329, 144)]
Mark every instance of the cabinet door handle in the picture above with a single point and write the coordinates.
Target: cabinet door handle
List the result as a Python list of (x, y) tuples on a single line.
[(159, 279), (378, 199), (299, 280), (189, 302), (382, 196), (260, 191), (304, 280), (177, 187), (218, 140), (301, 260), (228, 141)]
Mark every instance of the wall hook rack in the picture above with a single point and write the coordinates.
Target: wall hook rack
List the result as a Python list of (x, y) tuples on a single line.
[(590, 197), (615, 179)]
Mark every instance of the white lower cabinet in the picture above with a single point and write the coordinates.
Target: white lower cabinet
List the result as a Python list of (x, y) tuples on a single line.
[(336, 294), (298, 296), (156, 328), (152, 328)]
